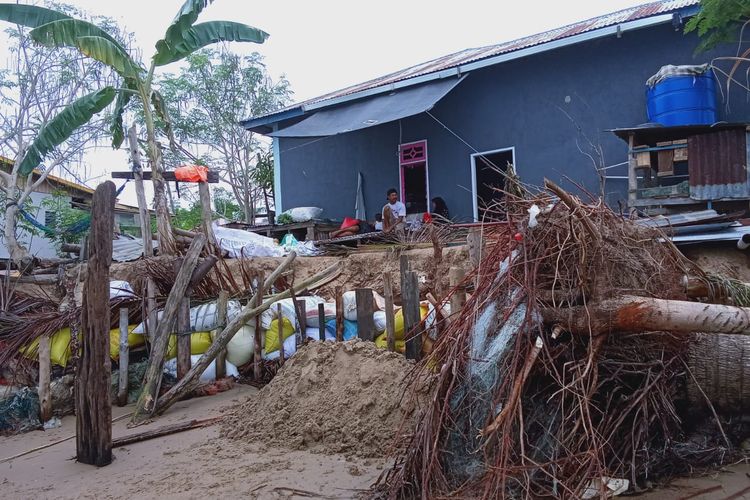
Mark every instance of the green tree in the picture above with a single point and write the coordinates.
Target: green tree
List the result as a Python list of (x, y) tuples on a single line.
[(225, 206), (718, 21), (55, 29), (207, 99), (188, 218)]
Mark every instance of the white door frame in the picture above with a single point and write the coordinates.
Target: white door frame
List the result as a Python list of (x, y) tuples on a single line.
[(473, 167)]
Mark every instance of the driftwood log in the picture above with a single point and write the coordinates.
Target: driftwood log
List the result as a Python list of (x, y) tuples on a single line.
[(92, 385), (643, 314), (147, 399), (184, 386)]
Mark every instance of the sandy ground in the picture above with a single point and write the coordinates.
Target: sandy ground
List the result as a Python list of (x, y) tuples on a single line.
[(193, 464), (200, 464)]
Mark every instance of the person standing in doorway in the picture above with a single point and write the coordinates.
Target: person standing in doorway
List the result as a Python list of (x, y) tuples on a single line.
[(394, 212)]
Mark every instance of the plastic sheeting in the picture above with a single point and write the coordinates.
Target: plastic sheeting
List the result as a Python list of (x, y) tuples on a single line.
[(238, 243)]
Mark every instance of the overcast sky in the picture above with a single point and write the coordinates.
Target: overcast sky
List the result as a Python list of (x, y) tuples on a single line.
[(325, 45)]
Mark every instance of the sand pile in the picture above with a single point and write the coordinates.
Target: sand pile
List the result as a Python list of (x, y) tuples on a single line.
[(330, 398)]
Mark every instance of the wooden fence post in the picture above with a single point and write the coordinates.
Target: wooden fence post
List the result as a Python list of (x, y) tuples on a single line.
[(92, 385), (124, 359), (456, 277), (221, 312), (280, 325), (390, 317), (204, 195), (321, 322), (301, 310), (143, 216), (339, 315), (410, 300), (258, 340), (365, 309), (45, 401), (474, 243), (153, 313)]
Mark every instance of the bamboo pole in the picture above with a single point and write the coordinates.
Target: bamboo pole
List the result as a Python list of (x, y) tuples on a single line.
[(186, 385), (147, 400), (92, 384), (221, 310), (124, 359), (390, 317), (45, 400)]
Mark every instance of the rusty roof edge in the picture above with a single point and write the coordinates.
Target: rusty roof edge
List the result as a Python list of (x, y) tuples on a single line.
[(323, 102)]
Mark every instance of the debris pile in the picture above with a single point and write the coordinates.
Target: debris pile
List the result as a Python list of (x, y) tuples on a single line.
[(552, 382), (343, 397)]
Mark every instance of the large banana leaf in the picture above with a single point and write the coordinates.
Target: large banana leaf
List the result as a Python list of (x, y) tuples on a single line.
[(29, 15), (63, 33), (123, 98), (186, 16), (62, 126), (204, 34)]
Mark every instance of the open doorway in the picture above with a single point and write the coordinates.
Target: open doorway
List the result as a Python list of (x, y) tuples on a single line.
[(487, 179), (414, 175)]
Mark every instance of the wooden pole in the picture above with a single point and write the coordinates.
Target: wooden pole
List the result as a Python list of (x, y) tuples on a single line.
[(365, 309), (404, 267), (221, 310), (257, 300), (321, 322), (147, 400), (205, 198), (410, 299), (183, 337), (249, 312), (45, 400), (474, 243), (92, 385), (153, 313), (390, 317), (301, 310), (140, 193), (124, 359), (456, 277), (646, 314), (339, 315), (280, 325)]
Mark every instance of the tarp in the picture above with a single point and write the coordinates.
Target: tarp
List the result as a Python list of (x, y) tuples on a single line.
[(371, 111), (359, 202)]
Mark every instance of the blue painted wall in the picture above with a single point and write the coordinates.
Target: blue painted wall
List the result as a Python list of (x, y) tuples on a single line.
[(546, 106)]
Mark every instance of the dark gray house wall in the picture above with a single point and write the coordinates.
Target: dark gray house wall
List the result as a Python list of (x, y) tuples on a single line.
[(549, 107)]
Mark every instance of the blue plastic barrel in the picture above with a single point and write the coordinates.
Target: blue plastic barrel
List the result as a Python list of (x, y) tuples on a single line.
[(683, 100)]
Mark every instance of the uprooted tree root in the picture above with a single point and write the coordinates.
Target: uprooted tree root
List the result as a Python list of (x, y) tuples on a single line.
[(525, 409)]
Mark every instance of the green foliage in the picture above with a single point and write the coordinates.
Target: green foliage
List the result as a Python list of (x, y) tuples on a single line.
[(65, 217), (718, 21), (29, 15), (188, 218), (208, 33), (63, 125), (225, 205), (284, 219)]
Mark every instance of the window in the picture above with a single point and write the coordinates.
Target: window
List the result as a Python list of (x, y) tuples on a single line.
[(488, 180)]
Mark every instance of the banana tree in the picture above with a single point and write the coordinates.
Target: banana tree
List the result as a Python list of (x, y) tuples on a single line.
[(183, 37)]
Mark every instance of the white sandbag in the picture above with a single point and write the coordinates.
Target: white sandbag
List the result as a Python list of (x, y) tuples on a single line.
[(289, 312), (238, 243), (431, 318), (242, 346), (120, 288), (312, 315), (378, 317), (303, 214), (290, 347), (349, 300), (204, 317), (208, 375)]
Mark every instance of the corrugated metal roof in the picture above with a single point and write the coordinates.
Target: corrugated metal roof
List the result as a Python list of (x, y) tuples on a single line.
[(471, 55), (127, 248)]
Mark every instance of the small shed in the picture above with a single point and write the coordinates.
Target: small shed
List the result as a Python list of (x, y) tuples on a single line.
[(688, 167)]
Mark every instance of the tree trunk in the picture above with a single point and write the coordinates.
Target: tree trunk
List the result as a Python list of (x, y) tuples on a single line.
[(167, 243), (92, 388), (17, 252), (143, 215), (643, 314)]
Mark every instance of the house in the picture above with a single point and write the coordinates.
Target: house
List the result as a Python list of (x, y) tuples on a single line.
[(78, 196), (444, 128)]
